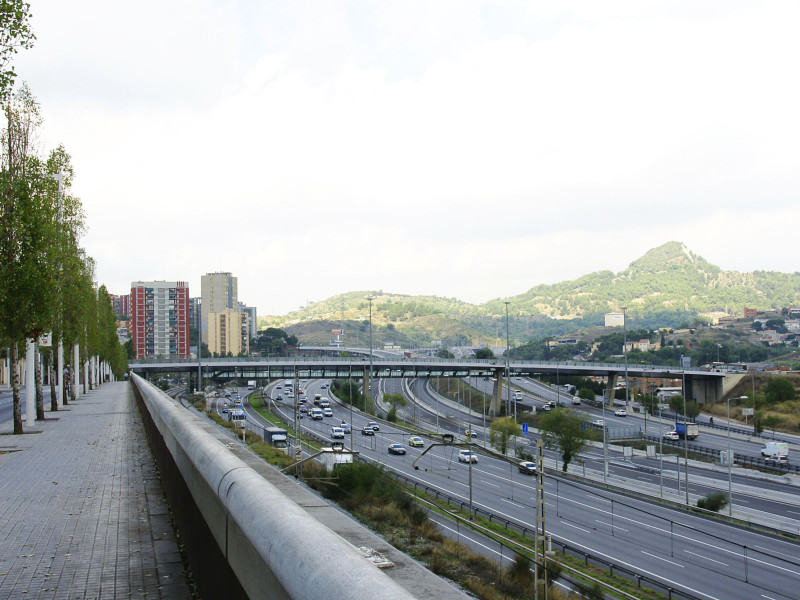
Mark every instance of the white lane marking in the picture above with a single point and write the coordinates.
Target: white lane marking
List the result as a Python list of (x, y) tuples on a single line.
[(491, 484), (719, 562), (575, 527), (664, 559)]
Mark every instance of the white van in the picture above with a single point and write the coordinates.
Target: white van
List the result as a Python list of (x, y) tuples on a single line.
[(778, 451)]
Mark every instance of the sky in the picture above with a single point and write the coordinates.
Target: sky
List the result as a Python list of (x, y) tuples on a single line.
[(455, 148)]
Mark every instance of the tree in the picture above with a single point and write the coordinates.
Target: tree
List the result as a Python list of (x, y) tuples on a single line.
[(444, 353), (771, 422), (676, 404), (484, 353), (15, 33), (780, 390), (27, 228), (586, 394), (501, 431), (562, 429)]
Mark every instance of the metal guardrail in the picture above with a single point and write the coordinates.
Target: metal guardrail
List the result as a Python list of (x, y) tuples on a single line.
[(642, 581), (738, 459)]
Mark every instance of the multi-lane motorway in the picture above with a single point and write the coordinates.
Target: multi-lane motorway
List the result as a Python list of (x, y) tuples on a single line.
[(703, 557)]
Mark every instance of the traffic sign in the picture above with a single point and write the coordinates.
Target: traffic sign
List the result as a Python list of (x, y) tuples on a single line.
[(524, 428)]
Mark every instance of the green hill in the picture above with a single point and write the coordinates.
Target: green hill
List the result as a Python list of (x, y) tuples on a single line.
[(667, 285)]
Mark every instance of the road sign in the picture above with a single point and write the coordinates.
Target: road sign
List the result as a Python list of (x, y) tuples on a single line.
[(747, 412), (524, 428)]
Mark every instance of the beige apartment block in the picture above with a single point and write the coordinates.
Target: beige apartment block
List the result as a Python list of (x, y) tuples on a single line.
[(228, 332), (218, 292)]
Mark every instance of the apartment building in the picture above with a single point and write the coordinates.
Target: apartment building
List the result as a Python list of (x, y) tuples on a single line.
[(228, 331), (218, 292), (160, 318)]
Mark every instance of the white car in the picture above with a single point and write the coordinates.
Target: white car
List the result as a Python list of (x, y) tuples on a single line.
[(621, 412), (467, 456), (598, 423), (327, 412), (337, 433), (576, 400), (671, 435)]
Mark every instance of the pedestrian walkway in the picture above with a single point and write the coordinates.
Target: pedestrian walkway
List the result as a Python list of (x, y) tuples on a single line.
[(82, 514)]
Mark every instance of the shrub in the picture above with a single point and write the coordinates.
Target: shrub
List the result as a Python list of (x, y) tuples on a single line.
[(714, 502)]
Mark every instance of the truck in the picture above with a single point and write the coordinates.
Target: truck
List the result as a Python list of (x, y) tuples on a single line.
[(778, 451), (688, 430), (251, 384), (237, 415), (277, 438), (317, 398)]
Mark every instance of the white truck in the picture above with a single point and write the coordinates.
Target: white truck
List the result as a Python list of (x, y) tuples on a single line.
[(777, 451), (251, 384)]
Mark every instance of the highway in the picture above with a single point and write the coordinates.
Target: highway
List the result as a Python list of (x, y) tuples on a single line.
[(674, 547)]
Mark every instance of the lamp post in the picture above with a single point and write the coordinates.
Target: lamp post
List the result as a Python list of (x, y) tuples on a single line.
[(730, 457), (369, 382), (661, 452), (625, 350), (508, 369), (605, 445)]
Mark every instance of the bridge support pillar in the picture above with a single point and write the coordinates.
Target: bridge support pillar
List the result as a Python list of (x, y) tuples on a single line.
[(365, 389), (608, 397), (497, 394)]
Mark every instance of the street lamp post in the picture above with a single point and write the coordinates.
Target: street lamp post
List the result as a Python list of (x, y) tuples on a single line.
[(661, 452), (508, 369), (605, 445), (625, 350), (730, 457), (369, 382)]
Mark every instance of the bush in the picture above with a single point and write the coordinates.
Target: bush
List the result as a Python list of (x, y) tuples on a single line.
[(714, 502)]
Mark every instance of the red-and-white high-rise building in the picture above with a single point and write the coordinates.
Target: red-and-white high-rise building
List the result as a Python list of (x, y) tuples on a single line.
[(160, 319)]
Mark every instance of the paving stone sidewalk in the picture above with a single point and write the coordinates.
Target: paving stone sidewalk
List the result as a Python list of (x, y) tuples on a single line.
[(82, 514)]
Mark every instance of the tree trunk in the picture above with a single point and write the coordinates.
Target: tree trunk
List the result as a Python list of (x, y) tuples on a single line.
[(37, 370), (15, 389), (51, 375)]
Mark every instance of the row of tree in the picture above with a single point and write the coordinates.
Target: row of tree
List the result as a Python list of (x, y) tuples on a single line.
[(46, 277)]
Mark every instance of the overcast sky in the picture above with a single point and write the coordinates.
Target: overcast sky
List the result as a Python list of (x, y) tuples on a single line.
[(458, 148)]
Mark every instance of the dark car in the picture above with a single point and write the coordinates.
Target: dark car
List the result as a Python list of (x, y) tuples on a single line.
[(396, 449), (374, 426), (367, 431)]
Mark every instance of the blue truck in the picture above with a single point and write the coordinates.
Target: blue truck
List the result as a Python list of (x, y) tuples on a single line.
[(687, 430)]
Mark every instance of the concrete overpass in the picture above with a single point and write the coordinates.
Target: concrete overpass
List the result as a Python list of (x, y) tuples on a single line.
[(322, 363)]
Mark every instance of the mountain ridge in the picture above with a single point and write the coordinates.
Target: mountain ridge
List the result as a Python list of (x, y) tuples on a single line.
[(666, 285)]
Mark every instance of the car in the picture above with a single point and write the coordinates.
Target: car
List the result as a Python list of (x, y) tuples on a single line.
[(279, 387), (467, 456), (337, 433), (279, 398), (621, 412), (324, 386), (598, 423), (346, 428), (396, 449), (547, 407), (327, 412), (303, 409), (416, 442), (527, 467), (671, 435), (367, 430), (374, 426), (576, 400), (471, 433), (225, 409), (324, 402), (316, 414), (551, 404)]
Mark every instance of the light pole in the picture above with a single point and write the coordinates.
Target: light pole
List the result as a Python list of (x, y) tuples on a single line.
[(605, 446), (508, 369), (369, 382), (661, 452), (730, 456), (625, 350)]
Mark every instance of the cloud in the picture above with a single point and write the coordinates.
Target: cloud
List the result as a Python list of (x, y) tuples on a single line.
[(463, 149)]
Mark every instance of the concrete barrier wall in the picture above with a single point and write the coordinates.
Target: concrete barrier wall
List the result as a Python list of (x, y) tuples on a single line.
[(273, 546)]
